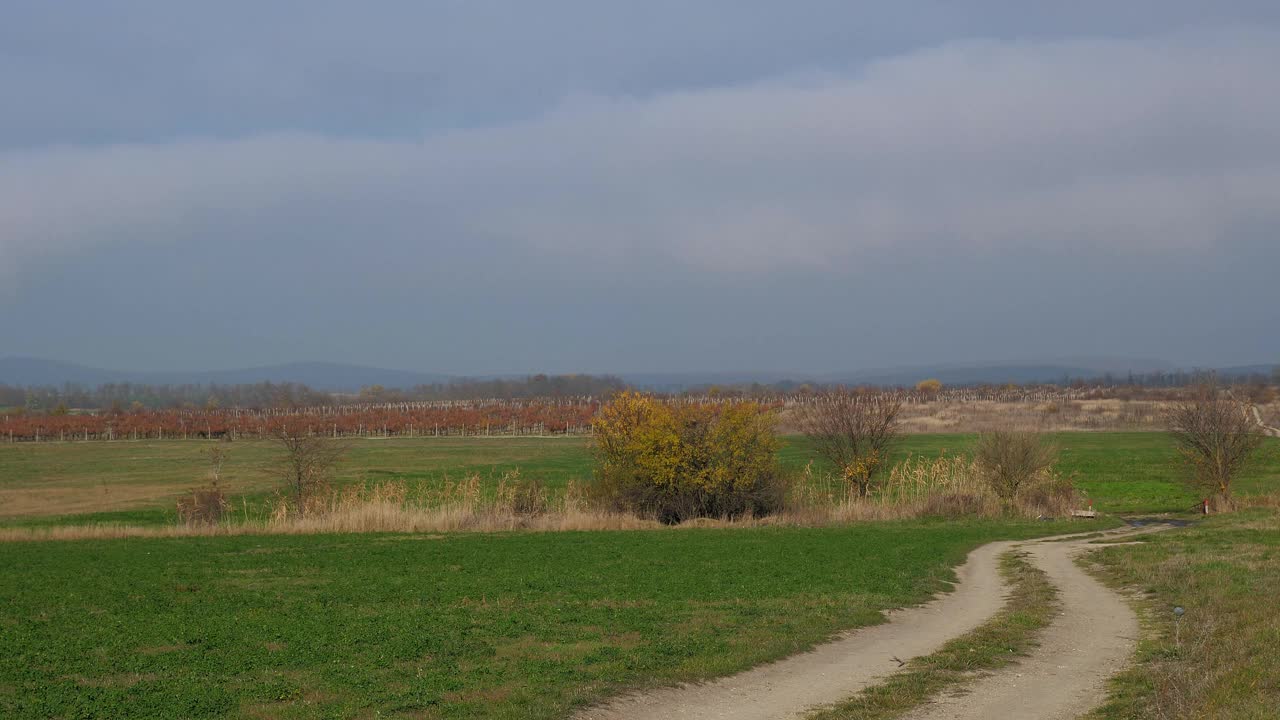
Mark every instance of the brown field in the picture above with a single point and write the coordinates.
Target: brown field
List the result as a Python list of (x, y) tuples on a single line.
[(1102, 414)]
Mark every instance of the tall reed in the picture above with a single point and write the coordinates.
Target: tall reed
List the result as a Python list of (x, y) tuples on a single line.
[(917, 487)]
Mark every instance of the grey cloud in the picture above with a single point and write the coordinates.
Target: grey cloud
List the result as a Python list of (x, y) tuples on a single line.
[(1120, 144), (142, 70)]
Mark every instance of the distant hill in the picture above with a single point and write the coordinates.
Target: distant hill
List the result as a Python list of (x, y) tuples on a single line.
[(678, 381), (337, 377), (39, 372), (1001, 373), (1249, 370), (949, 374), (333, 377), (976, 375)]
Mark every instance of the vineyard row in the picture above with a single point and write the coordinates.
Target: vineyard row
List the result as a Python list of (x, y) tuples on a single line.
[(557, 416)]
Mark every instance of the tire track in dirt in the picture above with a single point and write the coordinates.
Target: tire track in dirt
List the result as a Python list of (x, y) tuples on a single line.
[(840, 669), (1091, 639)]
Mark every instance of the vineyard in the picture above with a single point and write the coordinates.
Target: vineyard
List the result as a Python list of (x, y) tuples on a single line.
[(524, 417)]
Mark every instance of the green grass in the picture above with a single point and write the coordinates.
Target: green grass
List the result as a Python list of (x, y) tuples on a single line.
[(1224, 660), (137, 482), (1138, 472), (522, 625), (449, 626), (1010, 634)]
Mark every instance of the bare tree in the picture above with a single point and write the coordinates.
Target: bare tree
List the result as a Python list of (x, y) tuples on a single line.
[(206, 506), (1216, 437), (309, 458), (217, 457), (1009, 460), (855, 430)]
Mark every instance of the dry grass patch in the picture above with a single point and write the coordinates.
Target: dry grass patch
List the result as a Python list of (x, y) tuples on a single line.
[(119, 680), (1066, 415), (918, 487), (482, 696), (950, 487), (64, 500), (160, 649)]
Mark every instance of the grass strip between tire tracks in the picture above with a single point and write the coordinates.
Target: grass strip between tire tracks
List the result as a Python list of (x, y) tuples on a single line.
[(1010, 634)]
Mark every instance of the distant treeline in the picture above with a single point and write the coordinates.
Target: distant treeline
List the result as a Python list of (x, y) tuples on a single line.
[(131, 396), (127, 396), (532, 386), (1106, 381), (1174, 379)]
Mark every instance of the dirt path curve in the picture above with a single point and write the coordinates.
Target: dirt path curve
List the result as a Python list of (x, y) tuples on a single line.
[(1090, 640), (1263, 426), (839, 669)]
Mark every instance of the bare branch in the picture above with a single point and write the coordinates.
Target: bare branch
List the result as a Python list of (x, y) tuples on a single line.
[(309, 458), (1217, 438), (855, 430)]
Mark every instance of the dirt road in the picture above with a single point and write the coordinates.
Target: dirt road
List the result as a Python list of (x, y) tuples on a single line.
[(1091, 639), (1262, 425)]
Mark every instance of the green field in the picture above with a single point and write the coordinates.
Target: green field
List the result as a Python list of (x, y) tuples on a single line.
[(509, 625), (137, 482)]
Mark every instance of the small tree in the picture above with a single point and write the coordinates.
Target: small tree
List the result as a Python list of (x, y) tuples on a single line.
[(931, 386), (206, 506), (1216, 438), (309, 459), (217, 458), (855, 430), (1009, 460)]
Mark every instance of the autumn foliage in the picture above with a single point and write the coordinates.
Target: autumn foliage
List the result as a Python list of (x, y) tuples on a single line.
[(929, 387), (677, 461), (550, 416)]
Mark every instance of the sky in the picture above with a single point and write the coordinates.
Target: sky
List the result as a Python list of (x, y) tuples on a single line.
[(492, 186)]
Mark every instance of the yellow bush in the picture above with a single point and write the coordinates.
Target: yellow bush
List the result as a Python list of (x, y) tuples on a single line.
[(683, 461), (932, 386)]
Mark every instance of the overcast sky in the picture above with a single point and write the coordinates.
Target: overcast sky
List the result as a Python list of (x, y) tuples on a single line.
[(505, 186)]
